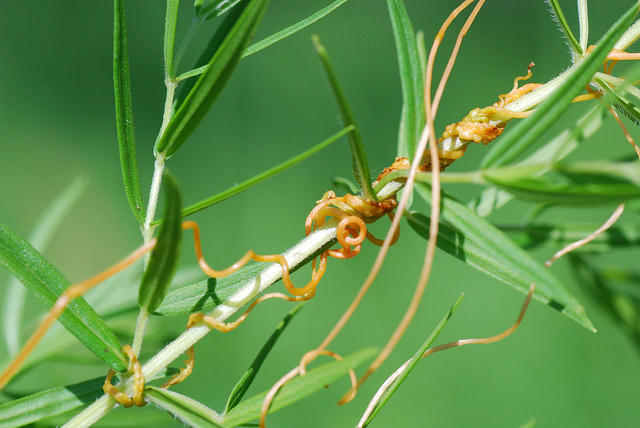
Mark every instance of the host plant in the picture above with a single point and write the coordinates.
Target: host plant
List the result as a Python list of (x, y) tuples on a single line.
[(507, 172)]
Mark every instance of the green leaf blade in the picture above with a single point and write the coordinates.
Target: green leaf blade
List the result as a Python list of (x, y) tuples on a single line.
[(239, 26), (359, 160), (166, 254), (298, 388), (43, 231), (241, 387), (525, 133), (478, 243), (572, 184), (564, 26), (183, 408), (410, 365), (47, 283), (292, 29), (411, 79), (226, 194), (124, 113), (51, 402)]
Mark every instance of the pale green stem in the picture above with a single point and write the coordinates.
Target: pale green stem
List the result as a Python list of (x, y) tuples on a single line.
[(156, 182), (141, 328), (99, 409), (583, 19), (629, 36)]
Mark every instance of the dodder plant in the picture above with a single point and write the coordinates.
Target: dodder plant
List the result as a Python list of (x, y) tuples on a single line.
[(460, 229)]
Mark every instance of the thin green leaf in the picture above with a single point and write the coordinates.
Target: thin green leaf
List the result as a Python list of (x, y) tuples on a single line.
[(170, 22), (620, 235), (55, 401), (206, 295), (247, 378), (215, 8), (580, 184), (477, 242), (526, 132), (185, 409), (411, 79), (43, 231), (410, 365), (241, 187), (47, 283), (620, 102), (347, 185), (616, 291), (50, 402), (235, 34), (358, 156), (555, 150), (276, 37), (124, 113), (166, 254), (298, 388), (286, 32), (564, 27)]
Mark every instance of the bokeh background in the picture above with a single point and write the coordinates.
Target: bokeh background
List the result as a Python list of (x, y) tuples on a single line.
[(57, 123)]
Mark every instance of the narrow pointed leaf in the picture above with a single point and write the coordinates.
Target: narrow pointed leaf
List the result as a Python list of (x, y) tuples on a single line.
[(578, 184), (564, 26), (50, 402), (124, 113), (480, 244), (276, 37), (247, 378), (166, 254), (411, 79), (620, 235), (286, 32), (347, 185), (43, 231), (620, 102), (55, 401), (360, 164), (241, 187), (206, 295), (298, 388), (183, 408), (170, 22), (526, 132), (235, 34), (616, 291), (393, 387), (47, 283), (214, 8), (555, 150)]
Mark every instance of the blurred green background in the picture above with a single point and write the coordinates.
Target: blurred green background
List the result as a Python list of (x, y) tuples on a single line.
[(57, 122)]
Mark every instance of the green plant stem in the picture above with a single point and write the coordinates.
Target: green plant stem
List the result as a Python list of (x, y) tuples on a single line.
[(141, 328), (101, 407)]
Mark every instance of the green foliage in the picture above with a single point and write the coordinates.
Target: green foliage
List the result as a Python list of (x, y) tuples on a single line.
[(166, 254), (225, 51), (476, 233), (359, 162), (47, 283), (124, 113)]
